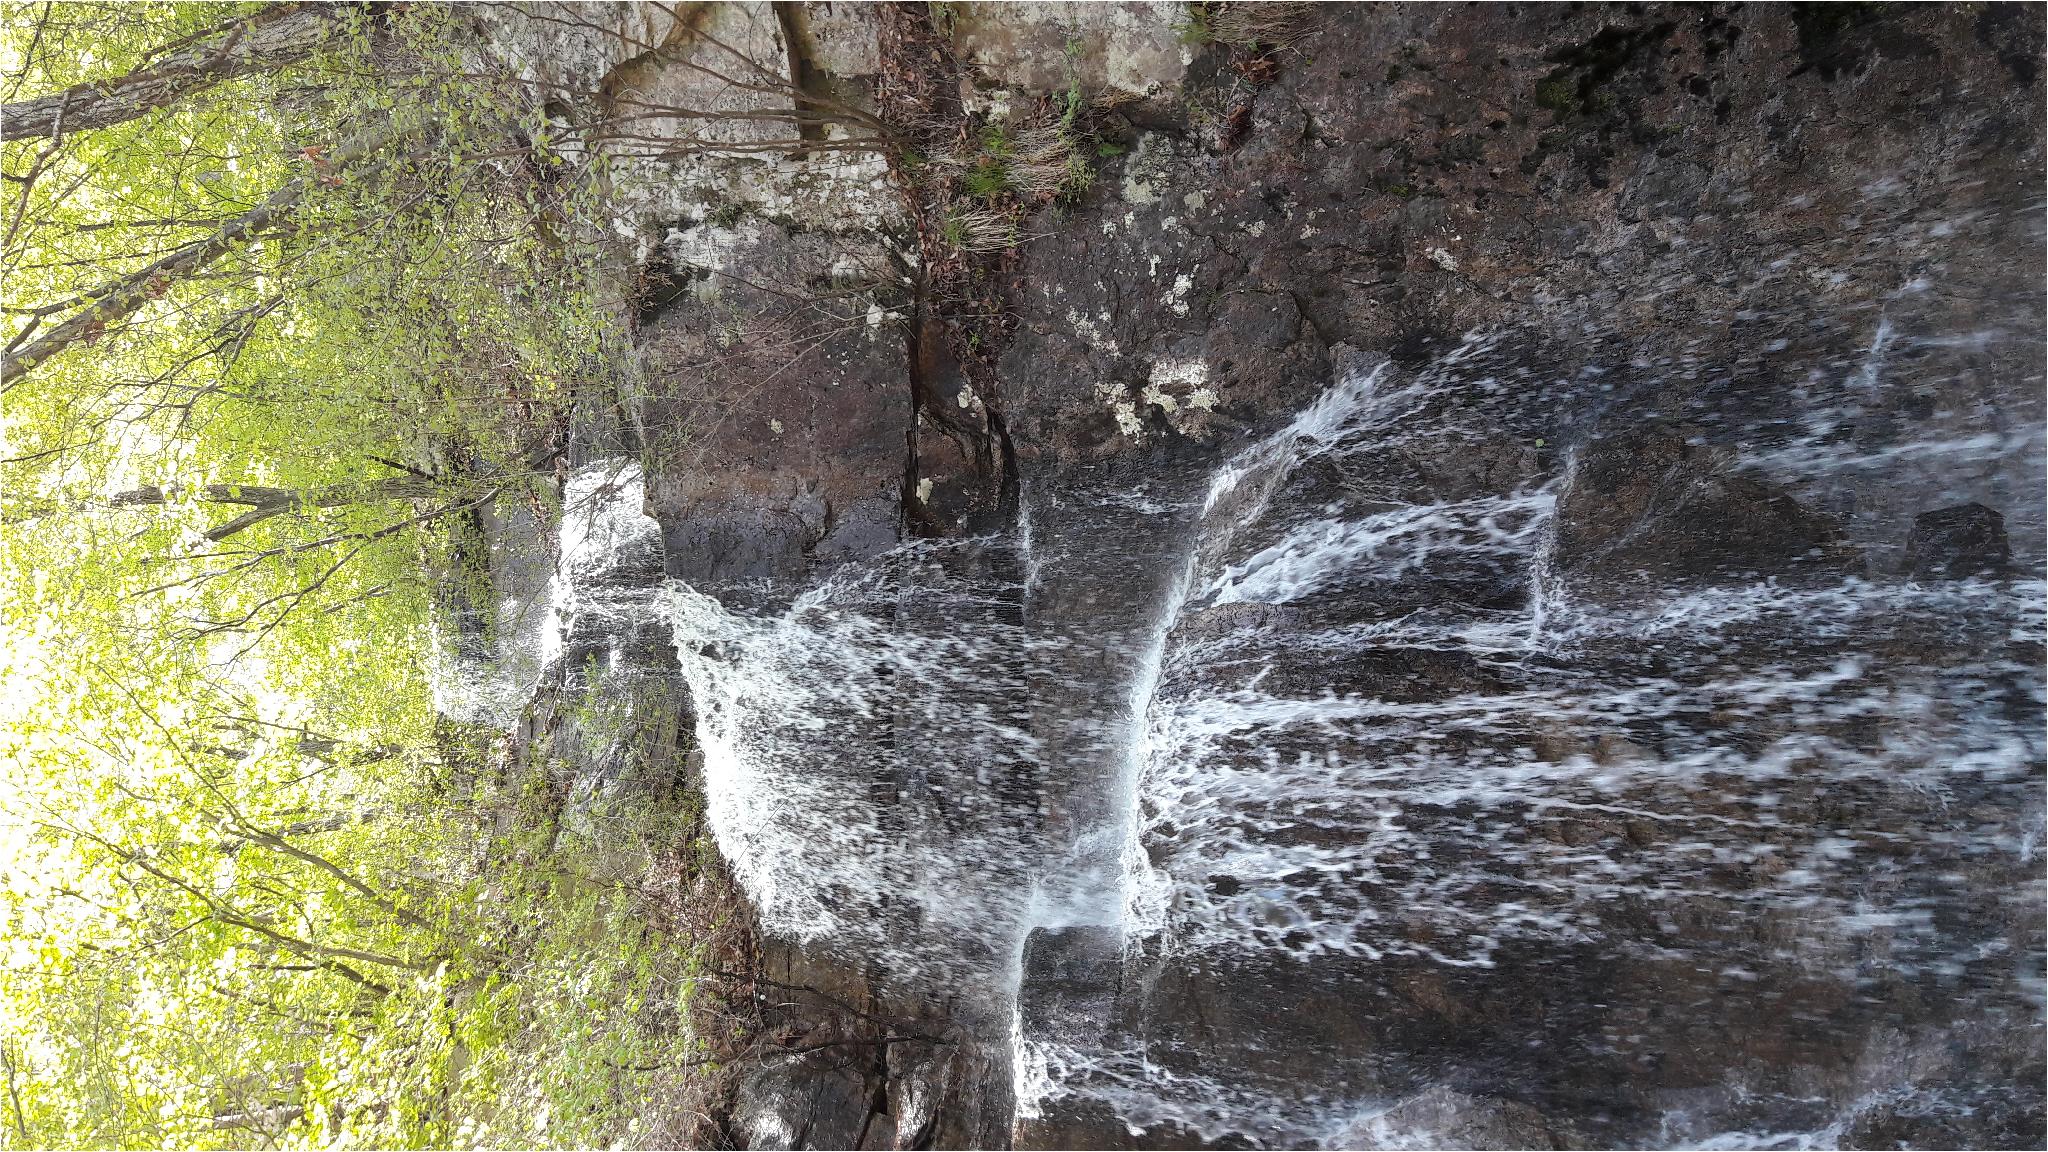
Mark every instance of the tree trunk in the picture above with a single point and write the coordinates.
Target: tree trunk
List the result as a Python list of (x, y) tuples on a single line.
[(265, 502), (262, 42), (117, 301)]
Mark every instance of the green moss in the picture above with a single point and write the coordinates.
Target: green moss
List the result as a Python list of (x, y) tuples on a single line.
[(1079, 179), (1070, 117), (1558, 92), (1576, 86), (988, 179)]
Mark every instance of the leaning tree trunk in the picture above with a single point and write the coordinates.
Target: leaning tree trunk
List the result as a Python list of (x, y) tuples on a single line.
[(265, 502), (263, 42), (117, 301)]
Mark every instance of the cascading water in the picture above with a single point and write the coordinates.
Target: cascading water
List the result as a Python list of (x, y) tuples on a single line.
[(1410, 732), (920, 760), (583, 599), (1402, 715), (871, 773)]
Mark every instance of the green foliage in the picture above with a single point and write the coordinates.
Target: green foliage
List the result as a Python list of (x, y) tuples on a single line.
[(1558, 92), (987, 180), (252, 890), (996, 142)]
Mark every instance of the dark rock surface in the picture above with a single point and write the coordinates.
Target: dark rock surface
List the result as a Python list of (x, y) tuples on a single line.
[(778, 407), (1759, 285), (1956, 543), (1644, 503)]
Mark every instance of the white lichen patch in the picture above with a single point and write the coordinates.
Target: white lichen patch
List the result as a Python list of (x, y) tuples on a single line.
[(1177, 371), (710, 248), (1145, 171), (1179, 387), (1443, 259), (1176, 297), (1040, 48), (851, 193), (1120, 406), (1094, 334), (993, 104), (924, 490)]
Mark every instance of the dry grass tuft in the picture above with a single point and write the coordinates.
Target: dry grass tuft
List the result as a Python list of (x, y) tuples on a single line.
[(980, 230), (1043, 163), (1268, 24)]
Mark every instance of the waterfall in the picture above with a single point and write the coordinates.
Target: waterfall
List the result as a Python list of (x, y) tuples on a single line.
[(584, 599), (1400, 731), (1443, 697)]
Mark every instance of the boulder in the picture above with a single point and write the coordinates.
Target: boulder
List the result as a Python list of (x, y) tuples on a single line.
[(1957, 543)]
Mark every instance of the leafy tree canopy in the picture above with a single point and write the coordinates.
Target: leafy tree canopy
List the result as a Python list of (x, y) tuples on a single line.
[(279, 321)]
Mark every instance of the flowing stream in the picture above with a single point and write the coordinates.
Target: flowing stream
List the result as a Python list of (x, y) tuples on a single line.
[(1415, 770)]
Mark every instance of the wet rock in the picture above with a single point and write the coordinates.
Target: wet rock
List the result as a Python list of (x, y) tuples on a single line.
[(788, 1102), (1650, 505), (1440, 1117), (1265, 320), (1958, 543), (1733, 287), (1072, 976), (804, 464)]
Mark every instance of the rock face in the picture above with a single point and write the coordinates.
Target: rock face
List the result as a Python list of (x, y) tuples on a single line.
[(1643, 503), (779, 403), (1507, 610), (1957, 543)]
